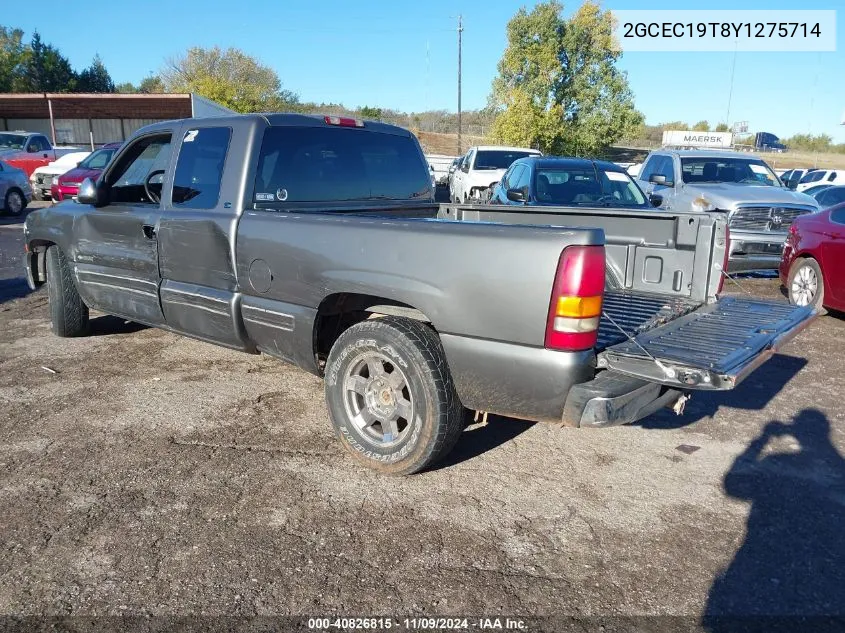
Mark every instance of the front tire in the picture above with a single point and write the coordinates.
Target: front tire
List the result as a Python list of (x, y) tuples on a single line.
[(14, 202), (390, 395), (805, 283), (68, 313)]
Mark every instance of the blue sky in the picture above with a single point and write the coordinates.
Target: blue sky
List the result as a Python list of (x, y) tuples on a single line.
[(402, 55)]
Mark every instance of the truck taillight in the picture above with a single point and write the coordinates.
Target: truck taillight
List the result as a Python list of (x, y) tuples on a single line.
[(575, 306), (343, 121)]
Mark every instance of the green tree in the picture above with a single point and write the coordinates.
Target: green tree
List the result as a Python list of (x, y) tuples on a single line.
[(151, 84), (558, 86), (126, 88), (674, 125), (44, 69), (722, 127), (368, 112), (230, 77), (11, 56), (95, 78), (701, 126)]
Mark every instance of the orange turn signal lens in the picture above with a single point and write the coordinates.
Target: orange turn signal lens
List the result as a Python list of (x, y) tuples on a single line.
[(578, 307)]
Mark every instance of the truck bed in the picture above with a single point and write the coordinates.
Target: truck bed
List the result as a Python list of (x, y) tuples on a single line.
[(637, 312)]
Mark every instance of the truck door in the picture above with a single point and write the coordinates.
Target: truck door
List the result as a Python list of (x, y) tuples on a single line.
[(196, 233), (116, 251)]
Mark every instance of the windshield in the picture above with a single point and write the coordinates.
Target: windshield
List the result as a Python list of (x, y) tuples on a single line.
[(731, 170), (498, 159), (12, 141), (587, 186), (98, 160)]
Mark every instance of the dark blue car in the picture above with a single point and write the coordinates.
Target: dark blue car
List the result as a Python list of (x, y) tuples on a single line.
[(549, 180)]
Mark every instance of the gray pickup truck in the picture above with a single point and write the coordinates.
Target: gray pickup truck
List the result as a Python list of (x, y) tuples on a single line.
[(317, 240), (759, 208)]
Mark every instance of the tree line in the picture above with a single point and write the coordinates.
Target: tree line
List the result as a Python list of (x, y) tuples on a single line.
[(558, 88)]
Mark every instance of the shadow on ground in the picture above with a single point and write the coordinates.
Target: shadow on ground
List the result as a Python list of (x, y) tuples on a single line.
[(11, 289), (477, 439), (753, 394), (792, 562), (107, 325)]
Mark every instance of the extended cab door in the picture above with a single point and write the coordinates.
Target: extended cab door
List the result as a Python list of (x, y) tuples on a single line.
[(115, 247), (196, 231)]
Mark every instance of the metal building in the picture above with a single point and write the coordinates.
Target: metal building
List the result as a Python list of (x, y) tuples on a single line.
[(94, 119)]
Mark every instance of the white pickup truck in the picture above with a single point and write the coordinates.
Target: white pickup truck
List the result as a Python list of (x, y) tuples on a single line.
[(483, 167)]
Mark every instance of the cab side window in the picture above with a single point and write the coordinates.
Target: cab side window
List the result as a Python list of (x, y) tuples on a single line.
[(199, 168), (666, 168), (515, 176), (523, 178), (837, 216), (138, 174), (650, 166)]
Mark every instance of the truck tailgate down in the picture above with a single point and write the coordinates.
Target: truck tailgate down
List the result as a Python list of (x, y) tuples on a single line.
[(714, 347)]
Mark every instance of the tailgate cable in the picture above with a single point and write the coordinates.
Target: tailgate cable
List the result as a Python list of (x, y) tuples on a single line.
[(730, 277), (679, 405), (668, 372)]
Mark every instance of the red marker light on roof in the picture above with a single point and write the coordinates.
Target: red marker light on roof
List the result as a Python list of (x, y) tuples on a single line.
[(343, 121)]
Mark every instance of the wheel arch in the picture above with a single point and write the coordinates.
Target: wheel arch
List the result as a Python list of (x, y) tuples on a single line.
[(339, 311), (36, 262)]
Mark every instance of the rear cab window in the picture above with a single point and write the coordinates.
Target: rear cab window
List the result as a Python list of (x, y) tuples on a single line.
[(199, 167), (337, 164)]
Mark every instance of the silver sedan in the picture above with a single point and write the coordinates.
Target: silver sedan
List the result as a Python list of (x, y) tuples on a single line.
[(15, 190)]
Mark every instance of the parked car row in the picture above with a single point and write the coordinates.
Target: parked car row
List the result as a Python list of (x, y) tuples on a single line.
[(478, 171), (60, 178)]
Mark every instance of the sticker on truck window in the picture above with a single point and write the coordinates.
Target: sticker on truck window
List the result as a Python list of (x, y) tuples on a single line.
[(264, 197), (190, 135), (616, 176)]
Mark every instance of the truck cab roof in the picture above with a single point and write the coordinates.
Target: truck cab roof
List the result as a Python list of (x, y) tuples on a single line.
[(287, 119)]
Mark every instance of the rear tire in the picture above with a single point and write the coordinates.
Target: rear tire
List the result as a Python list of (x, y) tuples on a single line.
[(15, 203), (68, 313), (805, 284), (390, 395)]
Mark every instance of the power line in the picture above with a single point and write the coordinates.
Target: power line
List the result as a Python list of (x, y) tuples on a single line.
[(460, 34)]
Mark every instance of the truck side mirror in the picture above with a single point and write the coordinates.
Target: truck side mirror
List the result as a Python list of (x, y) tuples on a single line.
[(660, 179), (94, 193), (655, 200), (517, 195)]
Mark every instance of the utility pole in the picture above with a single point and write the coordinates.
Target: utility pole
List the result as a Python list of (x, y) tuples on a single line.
[(731, 90), (460, 32)]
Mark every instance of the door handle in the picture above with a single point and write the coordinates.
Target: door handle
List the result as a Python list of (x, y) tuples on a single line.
[(149, 231)]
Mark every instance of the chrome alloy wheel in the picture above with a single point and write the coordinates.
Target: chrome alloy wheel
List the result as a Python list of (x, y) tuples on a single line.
[(805, 285), (377, 398)]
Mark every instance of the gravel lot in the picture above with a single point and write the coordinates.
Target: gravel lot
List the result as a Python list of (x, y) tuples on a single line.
[(155, 475)]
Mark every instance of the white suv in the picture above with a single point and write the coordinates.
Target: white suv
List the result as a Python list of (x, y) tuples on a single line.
[(821, 177), (483, 167)]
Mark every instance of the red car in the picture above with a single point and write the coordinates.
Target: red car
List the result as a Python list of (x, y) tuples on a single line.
[(813, 264), (65, 186)]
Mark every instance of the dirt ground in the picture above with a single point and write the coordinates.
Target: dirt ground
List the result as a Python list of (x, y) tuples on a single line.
[(146, 474)]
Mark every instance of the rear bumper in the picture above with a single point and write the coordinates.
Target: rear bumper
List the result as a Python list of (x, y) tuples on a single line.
[(519, 381), (613, 398)]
